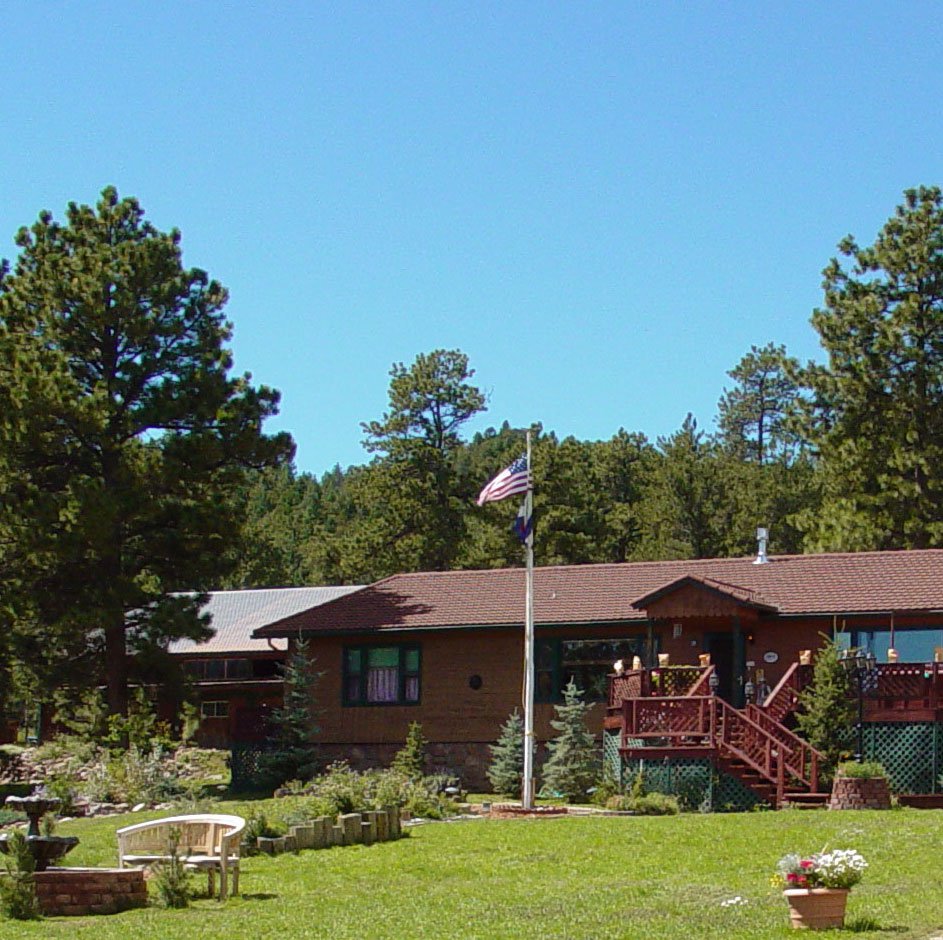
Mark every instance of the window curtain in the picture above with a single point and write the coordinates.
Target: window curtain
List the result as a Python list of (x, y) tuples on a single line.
[(382, 684)]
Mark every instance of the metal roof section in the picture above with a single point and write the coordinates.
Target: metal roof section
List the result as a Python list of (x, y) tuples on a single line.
[(236, 614)]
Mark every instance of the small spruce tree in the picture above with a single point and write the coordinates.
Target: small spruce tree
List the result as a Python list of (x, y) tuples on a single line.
[(411, 758), (18, 885), (506, 771), (826, 713), (573, 766), (295, 723)]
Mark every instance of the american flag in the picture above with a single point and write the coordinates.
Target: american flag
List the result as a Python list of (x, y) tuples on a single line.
[(513, 479)]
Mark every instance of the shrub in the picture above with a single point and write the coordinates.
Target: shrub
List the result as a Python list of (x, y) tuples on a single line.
[(826, 708), (506, 771), (258, 825), (864, 770), (294, 725), (573, 765), (410, 760), (649, 804), (342, 790), (172, 879), (17, 886)]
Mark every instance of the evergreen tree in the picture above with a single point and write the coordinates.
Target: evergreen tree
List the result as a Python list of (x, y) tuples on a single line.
[(410, 759), (826, 713), (122, 434), (410, 503), (876, 417), (753, 415), (684, 493), (573, 766), (294, 724), (506, 771)]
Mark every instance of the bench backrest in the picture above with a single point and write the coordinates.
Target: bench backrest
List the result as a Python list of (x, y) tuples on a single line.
[(204, 834)]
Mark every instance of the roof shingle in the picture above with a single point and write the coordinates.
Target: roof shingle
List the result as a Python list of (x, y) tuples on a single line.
[(795, 584)]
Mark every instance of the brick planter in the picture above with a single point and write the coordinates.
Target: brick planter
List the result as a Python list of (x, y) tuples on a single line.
[(83, 891), (860, 793)]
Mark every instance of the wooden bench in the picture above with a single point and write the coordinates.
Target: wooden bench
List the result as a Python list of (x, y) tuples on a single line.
[(205, 842)]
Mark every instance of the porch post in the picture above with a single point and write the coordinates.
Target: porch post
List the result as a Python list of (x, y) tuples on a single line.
[(739, 663)]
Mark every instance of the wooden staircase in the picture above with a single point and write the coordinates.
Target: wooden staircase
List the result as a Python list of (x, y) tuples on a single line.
[(750, 744)]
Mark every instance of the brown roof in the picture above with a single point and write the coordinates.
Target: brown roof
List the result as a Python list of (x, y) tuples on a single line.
[(743, 595), (793, 584)]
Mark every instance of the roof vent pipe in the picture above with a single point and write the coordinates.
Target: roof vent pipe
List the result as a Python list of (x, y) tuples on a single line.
[(762, 536)]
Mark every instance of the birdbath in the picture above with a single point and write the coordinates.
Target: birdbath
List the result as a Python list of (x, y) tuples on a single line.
[(45, 849)]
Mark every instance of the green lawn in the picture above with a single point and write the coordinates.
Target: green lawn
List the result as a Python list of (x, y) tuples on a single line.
[(597, 877)]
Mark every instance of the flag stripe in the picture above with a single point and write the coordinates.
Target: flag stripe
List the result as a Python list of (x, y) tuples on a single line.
[(511, 480)]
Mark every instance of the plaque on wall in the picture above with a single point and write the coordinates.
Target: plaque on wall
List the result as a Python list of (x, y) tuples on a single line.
[(771, 657)]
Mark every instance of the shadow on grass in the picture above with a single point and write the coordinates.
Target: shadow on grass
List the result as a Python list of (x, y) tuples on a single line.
[(870, 925), (258, 897)]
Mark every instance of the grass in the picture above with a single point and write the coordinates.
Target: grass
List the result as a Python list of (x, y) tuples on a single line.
[(593, 877)]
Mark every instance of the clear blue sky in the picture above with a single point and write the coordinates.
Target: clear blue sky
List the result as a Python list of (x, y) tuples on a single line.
[(603, 204)]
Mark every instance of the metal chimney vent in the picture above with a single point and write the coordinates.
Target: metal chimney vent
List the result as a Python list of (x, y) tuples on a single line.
[(762, 536)]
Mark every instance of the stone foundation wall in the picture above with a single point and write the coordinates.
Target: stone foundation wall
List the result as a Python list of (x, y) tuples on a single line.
[(84, 891), (860, 793)]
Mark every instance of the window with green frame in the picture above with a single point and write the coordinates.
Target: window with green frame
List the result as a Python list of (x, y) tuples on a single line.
[(381, 675), (587, 662)]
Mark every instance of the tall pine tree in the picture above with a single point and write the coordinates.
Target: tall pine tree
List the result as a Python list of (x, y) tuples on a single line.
[(122, 434), (876, 418)]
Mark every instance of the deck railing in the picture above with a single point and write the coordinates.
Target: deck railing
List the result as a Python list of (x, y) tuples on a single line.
[(699, 721), (662, 681), (802, 761), (908, 682)]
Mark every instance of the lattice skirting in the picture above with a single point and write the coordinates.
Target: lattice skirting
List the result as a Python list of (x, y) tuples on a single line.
[(911, 752), (696, 783)]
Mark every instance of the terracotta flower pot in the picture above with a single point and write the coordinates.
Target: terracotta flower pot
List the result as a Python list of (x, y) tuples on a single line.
[(816, 908)]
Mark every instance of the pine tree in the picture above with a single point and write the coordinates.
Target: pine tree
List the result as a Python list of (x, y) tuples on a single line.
[(122, 434), (411, 758), (506, 771), (295, 723), (876, 413), (826, 708), (574, 764)]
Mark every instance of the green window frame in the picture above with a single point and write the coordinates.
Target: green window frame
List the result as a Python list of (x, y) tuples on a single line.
[(382, 675)]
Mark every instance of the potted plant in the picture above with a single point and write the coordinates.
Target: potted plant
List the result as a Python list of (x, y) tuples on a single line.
[(816, 888)]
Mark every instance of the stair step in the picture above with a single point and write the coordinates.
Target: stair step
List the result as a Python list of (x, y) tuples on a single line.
[(807, 799)]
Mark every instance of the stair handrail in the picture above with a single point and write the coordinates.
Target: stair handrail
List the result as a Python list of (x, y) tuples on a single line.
[(793, 681), (810, 759), (774, 759)]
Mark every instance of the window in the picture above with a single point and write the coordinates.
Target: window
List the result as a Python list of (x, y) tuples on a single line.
[(587, 662), (913, 644), (214, 709), (381, 675), (220, 668)]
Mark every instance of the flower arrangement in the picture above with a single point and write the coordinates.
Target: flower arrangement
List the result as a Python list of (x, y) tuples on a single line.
[(840, 868)]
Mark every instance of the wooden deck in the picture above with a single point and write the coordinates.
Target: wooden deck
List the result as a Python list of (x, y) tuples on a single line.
[(670, 713)]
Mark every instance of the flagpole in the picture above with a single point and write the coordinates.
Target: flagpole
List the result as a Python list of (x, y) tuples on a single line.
[(529, 742)]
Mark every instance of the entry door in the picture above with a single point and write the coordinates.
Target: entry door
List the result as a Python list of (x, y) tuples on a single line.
[(723, 657)]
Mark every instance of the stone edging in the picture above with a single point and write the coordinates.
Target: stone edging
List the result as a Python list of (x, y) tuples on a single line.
[(347, 829)]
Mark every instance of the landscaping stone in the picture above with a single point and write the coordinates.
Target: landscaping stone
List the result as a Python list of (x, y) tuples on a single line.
[(83, 891), (860, 793), (351, 828)]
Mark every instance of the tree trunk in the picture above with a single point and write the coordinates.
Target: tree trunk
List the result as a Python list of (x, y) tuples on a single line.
[(116, 665)]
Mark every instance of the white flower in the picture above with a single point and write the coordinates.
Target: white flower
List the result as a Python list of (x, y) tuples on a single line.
[(734, 902)]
